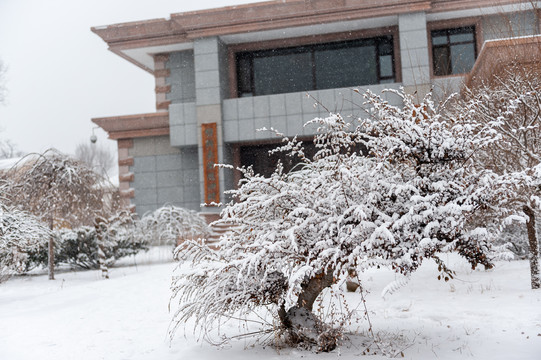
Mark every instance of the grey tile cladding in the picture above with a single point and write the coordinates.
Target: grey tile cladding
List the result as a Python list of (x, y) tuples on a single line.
[(144, 164), (171, 195), (169, 178), (182, 77), (169, 162), (146, 180), (206, 46), (206, 62)]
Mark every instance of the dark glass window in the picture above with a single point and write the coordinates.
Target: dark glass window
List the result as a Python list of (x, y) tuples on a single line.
[(313, 67), (281, 73), (453, 50), (264, 163)]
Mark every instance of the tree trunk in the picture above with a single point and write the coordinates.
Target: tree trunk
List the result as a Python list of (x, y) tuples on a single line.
[(534, 247), (51, 250), (301, 323)]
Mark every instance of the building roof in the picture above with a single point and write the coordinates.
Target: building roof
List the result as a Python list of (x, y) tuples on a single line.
[(139, 41)]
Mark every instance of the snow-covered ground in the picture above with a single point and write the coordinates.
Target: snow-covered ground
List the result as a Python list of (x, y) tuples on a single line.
[(480, 315)]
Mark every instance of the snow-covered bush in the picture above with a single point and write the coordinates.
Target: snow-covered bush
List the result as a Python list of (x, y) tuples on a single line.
[(78, 248), (172, 224), (408, 199), (20, 234)]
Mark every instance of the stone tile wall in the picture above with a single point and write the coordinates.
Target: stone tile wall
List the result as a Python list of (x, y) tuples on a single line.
[(163, 175)]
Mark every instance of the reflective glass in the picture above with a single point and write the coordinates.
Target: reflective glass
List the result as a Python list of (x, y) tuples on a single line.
[(345, 67), (321, 66), (441, 61), (462, 58), (386, 66), (244, 77), (464, 37), (439, 39), (282, 73)]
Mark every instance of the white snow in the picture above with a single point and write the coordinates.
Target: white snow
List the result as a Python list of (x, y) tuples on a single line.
[(479, 315)]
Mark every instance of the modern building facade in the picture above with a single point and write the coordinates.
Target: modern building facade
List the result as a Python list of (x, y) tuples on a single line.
[(223, 73)]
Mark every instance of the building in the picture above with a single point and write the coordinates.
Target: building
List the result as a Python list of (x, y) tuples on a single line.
[(223, 73)]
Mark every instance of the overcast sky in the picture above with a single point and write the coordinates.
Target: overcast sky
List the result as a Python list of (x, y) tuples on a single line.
[(60, 74)]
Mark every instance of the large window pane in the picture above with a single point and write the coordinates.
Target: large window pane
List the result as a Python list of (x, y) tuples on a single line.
[(442, 64), (368, 58), (386, 66), (346, 67), (244, 76), (282, 73), (320, 66), (462, 58)]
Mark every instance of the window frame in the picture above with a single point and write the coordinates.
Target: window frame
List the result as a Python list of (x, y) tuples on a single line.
[(474, 22), (313, 41)]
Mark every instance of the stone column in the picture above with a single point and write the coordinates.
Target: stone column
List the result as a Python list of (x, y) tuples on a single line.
[(210, 61), (414, 54)]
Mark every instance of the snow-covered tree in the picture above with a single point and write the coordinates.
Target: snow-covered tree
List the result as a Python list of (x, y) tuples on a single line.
[(172, 224), (390, 191), (511, 104), (59, 190), (20, 234)]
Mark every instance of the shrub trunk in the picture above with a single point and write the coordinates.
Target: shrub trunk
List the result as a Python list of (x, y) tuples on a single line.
[(534, 247), (51, 250), (301, 324)]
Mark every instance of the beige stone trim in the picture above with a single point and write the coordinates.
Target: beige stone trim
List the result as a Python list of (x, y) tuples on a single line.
[(163, 89), (162, 73), (127, 193), (126, 162), (134, 126), (126, 177), (182, 27), (125, 143), (270, 15), (163, 105)]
